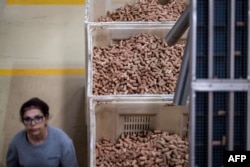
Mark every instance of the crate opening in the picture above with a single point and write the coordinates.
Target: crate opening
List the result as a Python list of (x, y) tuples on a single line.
[(124, 129), (114, 119), (136, 123)]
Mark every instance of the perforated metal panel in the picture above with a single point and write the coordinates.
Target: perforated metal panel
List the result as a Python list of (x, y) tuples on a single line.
[(220, 60), (219, 106), (136, 123), (201, 128), (221, 39)]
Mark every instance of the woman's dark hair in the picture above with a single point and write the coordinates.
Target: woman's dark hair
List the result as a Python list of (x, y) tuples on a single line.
[(35, 103)]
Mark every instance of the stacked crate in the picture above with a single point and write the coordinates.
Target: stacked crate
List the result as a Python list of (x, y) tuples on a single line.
[(220, 80), (111, 112)]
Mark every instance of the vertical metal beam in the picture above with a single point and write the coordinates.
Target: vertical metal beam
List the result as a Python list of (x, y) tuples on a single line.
[(210, 76), (210, 38), (248, 116), (210, 129), (232, 62), (248, 77), (192, 129), (193, 30), (248, 41), (231, 122), (232, 38)]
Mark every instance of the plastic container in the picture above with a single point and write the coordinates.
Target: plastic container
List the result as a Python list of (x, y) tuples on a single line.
[(110, 118), (104, 34), (94, 9)]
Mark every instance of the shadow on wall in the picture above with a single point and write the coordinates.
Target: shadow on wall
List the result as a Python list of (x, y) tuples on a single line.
[(74, 123), (2, 4)]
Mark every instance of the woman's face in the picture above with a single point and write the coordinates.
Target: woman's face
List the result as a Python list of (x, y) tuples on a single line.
[(34, 121)]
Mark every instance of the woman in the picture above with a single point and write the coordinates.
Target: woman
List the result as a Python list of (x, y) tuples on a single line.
[(40, 145)]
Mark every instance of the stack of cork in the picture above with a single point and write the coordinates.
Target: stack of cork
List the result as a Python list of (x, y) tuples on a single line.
[(127, 58)]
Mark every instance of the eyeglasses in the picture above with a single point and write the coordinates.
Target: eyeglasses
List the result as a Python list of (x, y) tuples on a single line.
[(37, 119)]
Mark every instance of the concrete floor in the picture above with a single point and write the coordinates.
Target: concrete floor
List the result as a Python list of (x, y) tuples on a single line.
[(39, 45)]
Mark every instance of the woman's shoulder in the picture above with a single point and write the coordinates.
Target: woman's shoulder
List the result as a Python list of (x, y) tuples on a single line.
[(19, 136), (57, 133), (55, 129)]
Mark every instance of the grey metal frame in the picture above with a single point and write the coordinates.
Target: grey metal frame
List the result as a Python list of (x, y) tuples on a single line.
[(210, 76), (182, 90), (193, 30), (179, 27), (184, 79), (248, 78), (232, 62), (211, 85)]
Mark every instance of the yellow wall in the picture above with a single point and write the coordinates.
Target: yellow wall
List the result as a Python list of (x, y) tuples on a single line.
[(40, 2)]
